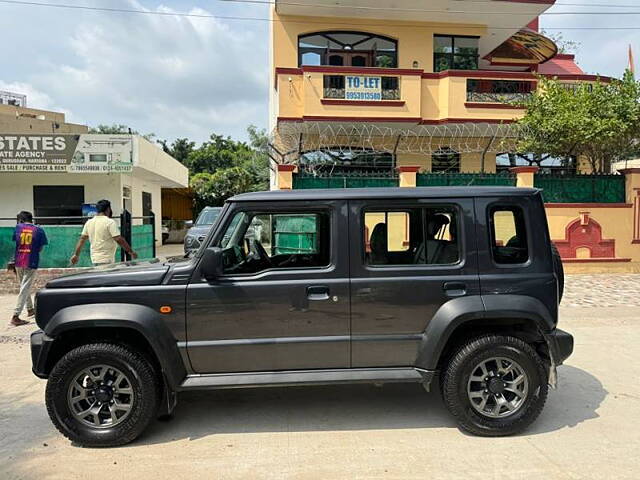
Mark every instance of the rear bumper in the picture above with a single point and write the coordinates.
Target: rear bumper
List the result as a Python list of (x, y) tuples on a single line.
[(560, 345), (40, 347)]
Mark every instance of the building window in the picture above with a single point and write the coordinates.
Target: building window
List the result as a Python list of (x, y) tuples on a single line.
[(258, 241), (346, 161), (445, 160), (508, 235), (455, 53), (98, 157), (58, 203), (348, 49), (421, 236), (499, 91)]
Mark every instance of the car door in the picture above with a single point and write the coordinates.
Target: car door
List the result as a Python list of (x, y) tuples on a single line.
[(408, 259), (286, 313)]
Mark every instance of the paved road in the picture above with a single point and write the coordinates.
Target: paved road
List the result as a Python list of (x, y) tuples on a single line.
[(589, 428)]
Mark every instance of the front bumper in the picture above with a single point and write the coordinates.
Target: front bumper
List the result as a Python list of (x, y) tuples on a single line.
[(40, 348)]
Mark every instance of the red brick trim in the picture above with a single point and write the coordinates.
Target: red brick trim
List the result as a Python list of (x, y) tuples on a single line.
[(513, 64), (464, 120), (565, 56), (290, 119), (408, 169), (497, 106), (286, 168), (517, 170), (322, 118), (588, 205), (363, 103), (501, 74), (289, 71), (420, 121), (596, 260), (363, 70), (543, 2)]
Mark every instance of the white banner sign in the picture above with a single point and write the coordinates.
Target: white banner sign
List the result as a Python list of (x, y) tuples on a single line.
[(87, 153), (362, 88)]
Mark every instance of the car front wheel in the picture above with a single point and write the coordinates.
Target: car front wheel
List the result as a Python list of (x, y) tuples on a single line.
[(102, 395), (495, 385)]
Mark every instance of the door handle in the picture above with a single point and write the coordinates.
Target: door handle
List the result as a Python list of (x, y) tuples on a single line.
[(318, 292), (455, 289)]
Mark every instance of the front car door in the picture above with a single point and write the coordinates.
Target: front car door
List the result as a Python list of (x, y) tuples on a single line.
[(408, 258), (283, 300)]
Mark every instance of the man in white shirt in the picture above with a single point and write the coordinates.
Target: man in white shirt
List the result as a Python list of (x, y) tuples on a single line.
[(103, 235)]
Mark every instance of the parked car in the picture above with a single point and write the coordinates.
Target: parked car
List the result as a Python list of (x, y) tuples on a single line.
[(198, 231), (459, 286)]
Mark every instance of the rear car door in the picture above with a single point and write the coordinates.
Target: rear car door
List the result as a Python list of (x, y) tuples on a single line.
[(408, 259), (283, 300)]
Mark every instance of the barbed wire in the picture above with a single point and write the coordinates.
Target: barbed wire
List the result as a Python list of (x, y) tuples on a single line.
[(289, 141)]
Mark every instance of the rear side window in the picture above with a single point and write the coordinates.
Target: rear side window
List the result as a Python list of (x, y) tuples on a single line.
[(420, 236), (508, 235)]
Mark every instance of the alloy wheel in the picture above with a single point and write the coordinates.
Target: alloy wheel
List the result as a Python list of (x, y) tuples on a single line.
[(498, 387), (100, 396)]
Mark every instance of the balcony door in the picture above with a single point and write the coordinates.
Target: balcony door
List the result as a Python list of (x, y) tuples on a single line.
[(351, 59)]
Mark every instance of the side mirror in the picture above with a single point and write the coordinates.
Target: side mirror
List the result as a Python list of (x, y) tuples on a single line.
[(212, 264), (188, 224)]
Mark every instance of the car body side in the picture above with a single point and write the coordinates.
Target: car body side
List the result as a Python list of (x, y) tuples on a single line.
[(520, 300)]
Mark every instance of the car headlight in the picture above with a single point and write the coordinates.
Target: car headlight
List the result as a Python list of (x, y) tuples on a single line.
[(190, 240)]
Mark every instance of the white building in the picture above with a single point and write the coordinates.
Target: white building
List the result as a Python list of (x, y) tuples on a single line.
[(54, 175)]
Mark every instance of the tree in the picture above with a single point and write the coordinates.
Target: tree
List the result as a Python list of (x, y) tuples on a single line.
[(118, 128), (599, 121), (180, 149), (564, 45), (223, 167)]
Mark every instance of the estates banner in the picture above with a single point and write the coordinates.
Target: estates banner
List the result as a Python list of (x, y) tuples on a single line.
[(87, 153)]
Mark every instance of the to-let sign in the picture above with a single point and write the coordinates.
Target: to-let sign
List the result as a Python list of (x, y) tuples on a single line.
[(362, 88)]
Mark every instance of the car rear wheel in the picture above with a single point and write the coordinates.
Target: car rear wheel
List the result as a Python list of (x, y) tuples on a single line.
[(495, 386), (102, 395)]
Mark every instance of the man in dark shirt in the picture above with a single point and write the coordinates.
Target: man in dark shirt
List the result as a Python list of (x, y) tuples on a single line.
[(30, 240)]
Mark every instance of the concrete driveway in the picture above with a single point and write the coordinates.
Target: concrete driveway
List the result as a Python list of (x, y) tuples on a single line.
[(588, 429)]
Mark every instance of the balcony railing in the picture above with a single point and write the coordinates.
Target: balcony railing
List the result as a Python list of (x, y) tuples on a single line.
[(499, 91), (335, 87)]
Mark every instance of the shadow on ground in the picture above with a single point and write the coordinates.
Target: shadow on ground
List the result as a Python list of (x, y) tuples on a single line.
[(353, 407)]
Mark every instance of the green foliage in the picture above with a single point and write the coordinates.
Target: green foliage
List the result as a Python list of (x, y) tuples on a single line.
[(118, 128), (564, 45), (600, 121), (222, 167), (180, 149)]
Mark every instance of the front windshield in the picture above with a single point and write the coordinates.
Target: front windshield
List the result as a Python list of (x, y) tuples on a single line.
[(208, 217)]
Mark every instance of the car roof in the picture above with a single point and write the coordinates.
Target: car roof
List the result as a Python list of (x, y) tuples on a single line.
[(383, 192)]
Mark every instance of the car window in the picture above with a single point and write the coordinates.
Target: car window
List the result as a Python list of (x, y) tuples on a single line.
[(420, 236), (508, 235), (257, 241), (208, 217)]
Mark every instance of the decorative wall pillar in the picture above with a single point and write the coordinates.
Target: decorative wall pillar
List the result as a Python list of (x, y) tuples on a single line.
[(408, 175), (524, 176), (632, 195), (285, 176)]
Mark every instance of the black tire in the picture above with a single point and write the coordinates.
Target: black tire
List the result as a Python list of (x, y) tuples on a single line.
[(460, 368), (558, 268), (144, 384)]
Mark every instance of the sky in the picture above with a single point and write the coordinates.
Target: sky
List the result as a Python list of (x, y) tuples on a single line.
[(190, 77)]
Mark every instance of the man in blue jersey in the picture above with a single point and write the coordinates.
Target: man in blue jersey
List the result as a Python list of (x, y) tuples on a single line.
[(30, 240)]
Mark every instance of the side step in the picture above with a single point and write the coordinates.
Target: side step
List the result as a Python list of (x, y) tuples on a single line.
[(305, 377)]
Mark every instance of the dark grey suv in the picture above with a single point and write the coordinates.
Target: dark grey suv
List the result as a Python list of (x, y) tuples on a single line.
[(454, 286), (198, 231)]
